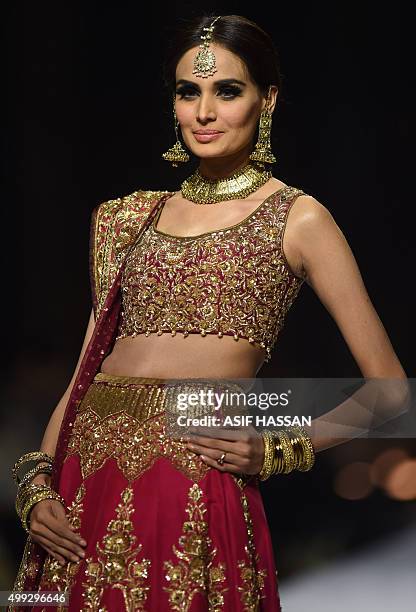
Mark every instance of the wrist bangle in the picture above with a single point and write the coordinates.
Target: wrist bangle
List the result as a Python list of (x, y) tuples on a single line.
[(295, 437), (32, 456), (38, 469), (279, 461), (36, 497), (24, 494), (287, 450), (308, 450), (267, 468)]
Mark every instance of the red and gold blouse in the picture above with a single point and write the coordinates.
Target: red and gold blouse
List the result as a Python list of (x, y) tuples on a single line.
[(234, 281)]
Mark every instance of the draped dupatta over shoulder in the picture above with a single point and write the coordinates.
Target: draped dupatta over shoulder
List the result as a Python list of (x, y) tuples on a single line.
[(115, 228)]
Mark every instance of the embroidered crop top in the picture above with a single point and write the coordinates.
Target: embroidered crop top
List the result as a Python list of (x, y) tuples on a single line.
[(235, 281)]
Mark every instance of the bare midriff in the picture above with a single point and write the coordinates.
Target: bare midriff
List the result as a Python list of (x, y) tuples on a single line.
[(195, 356)]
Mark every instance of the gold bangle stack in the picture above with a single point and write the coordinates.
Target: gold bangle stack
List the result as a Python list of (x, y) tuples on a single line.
[(29, 493), (286, 451), (267, 468), (41, 468), (308, 450), (37, 456), (28, 496)]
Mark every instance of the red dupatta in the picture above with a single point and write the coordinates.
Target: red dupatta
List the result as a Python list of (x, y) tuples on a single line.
[(116, 226)]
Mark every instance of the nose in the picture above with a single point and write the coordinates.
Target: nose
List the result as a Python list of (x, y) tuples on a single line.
[(206, 109)]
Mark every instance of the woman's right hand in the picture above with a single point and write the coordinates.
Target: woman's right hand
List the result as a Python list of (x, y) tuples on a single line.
[(50, 528)]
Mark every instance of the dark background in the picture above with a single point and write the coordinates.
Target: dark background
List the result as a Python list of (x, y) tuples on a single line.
[(88, 119)]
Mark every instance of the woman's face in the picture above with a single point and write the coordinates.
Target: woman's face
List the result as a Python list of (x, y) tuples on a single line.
[(218, 115)]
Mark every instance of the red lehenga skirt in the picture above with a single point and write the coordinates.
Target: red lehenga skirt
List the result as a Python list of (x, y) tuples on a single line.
[(164, 531)]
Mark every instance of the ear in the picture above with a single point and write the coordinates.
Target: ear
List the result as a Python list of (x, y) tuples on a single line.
[(269, 101)]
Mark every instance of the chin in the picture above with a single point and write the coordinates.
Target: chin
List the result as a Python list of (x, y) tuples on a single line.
[(210, 152)]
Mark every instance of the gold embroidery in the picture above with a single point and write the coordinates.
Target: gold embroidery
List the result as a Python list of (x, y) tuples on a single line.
[(252, 578), (128, 424), (195, 571), (58, 577), (234, 281), (26, 569), (114, 226), (116, 566)]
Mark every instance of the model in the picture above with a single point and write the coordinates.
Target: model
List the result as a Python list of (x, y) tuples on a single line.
[(193, 284)]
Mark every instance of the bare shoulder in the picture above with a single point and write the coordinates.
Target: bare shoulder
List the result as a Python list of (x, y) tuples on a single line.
[(308, 211), (307, 219)]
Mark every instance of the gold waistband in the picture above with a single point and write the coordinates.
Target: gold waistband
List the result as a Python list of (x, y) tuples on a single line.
[(115, 379), (144, 398), (110, 395)]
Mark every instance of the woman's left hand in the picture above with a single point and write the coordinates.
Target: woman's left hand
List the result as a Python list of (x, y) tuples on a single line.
[(242, 456)]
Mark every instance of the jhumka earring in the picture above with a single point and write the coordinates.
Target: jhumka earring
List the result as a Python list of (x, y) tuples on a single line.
[(263, 151), (177, 153)]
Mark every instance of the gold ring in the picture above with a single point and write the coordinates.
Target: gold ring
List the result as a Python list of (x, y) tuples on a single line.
[(221, 459)]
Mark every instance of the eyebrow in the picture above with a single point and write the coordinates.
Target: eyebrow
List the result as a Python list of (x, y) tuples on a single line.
[(217, 83)]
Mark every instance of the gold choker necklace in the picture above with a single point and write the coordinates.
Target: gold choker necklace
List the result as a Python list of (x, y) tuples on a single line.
[(202, 190)]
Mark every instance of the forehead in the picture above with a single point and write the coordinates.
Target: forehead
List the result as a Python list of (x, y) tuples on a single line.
[(228, 65)]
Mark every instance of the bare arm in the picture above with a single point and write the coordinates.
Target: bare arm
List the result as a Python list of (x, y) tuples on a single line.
[(331, 270), (50, 437), (324, 258)]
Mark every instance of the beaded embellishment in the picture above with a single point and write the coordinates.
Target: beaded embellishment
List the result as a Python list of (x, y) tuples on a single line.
[(234, 281)]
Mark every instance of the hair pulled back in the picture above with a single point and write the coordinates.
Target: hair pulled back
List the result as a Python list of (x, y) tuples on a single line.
[(239, 35)]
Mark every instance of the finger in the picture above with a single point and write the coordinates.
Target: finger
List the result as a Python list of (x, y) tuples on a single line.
[(226, 467), (239, 452), (54, 514), (52, 536), (220, 445), (230, 458), (220, 432), (62, 528), (60, 514), (215, 453), (223, 433), (55, 555), (56, 548)]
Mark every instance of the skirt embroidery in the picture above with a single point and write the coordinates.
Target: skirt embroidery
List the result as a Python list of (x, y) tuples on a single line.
[(135, 439), (252, 577), (190, 544), (116, 565), (195, 571)]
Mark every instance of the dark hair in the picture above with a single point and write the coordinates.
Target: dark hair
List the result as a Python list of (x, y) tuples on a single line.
[(239, 35)]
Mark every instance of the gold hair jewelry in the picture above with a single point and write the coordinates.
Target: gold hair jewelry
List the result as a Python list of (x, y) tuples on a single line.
[(177, 153), (204, 62), (263, 151), (202, 190)]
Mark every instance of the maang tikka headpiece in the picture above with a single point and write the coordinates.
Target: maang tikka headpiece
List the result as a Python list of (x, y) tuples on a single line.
[(204, 62)]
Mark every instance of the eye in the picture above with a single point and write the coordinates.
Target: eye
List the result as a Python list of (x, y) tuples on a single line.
[(186, 92), (229, 91)]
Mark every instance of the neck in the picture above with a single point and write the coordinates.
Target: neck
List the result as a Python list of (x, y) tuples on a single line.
[(222, 167)]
